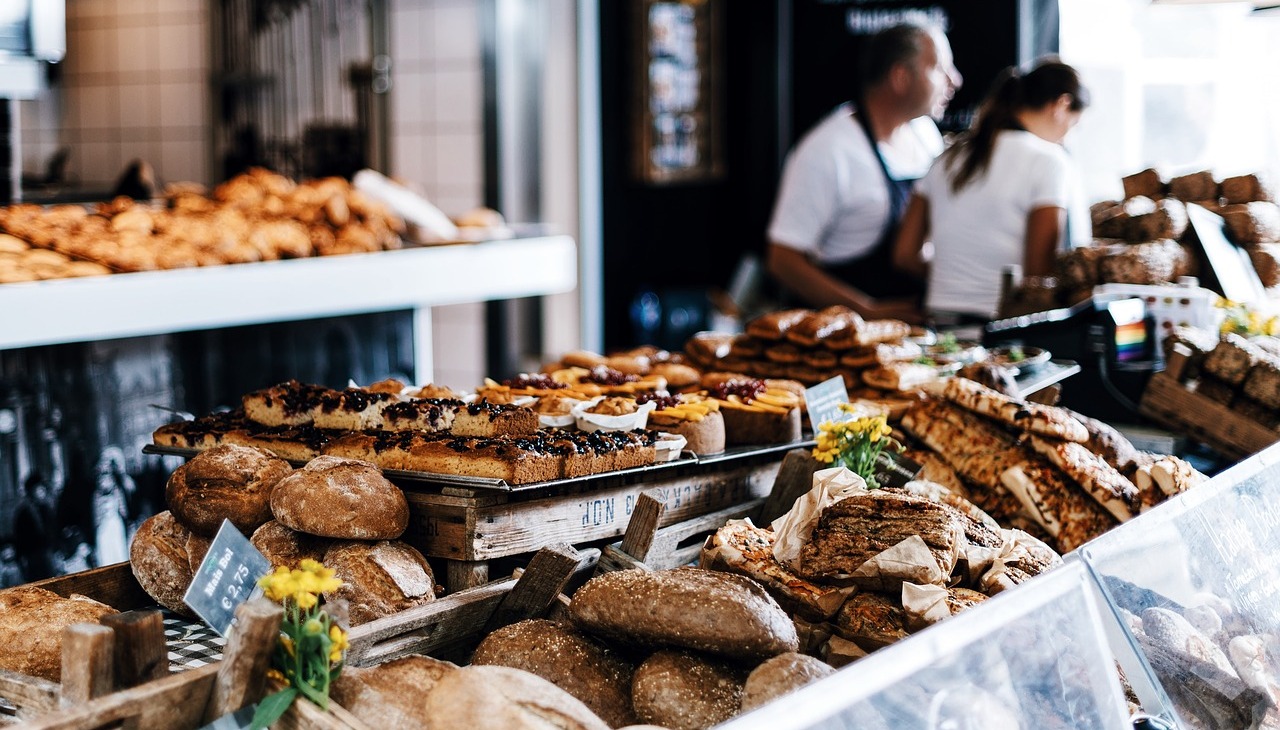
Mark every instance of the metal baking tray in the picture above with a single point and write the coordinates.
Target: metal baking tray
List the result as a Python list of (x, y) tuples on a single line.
[(687, 458)]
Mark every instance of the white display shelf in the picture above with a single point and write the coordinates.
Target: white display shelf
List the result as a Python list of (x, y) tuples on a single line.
[(181, 300)]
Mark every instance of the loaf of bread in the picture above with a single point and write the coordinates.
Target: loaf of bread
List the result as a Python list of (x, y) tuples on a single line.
[(820, 325), (1232, 359), (379, 579), (1247, 189), (1263, 381), (774, 326), (1168, 220), (287, 548), (686, 607), (1078, 268), (1156, 262), (31, 624), (501, 698), (1252, 222), (342, 498), (872, 620), (1146, 183), (164, 556), (1266, 261), (1195, 186), (570, 660), (226, 482), (391, 695), (685, 691), (781, 675)]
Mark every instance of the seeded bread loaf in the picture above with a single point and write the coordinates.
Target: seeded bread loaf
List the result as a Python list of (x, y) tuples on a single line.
[(687, 607), (782, 675), (342, 498), (380, 579), (227, 481), (685, 691), (501, 698), (565, 657), (391, 695)]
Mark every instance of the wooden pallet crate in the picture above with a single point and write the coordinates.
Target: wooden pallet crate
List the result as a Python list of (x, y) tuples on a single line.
[(1169, 401), (468, 528)]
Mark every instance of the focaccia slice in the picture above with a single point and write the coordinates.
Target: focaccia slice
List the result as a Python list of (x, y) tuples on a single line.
[(1099, 480), (290, 403), (1029, 417)]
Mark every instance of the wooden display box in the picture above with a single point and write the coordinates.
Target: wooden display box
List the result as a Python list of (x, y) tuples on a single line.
[(470, 527), (1171, 402)]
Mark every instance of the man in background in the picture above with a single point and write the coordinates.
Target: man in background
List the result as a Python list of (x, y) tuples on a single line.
[(846, 183)]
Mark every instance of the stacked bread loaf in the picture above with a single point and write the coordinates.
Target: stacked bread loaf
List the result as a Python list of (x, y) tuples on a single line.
[(1236, 371), (256, 216), (341, 512)]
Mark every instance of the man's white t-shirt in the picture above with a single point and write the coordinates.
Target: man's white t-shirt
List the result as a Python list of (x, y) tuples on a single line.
[(983, 228), (833, 202)]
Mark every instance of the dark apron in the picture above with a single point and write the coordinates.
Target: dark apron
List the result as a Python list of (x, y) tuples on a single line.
[(873, 272)]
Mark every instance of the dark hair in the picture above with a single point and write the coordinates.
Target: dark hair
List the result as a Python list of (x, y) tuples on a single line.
[(1011, 93), (896, 44)]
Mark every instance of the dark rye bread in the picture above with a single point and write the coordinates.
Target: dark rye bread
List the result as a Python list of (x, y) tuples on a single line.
[(379, 579), (341, 498), (858, 528), (164, 556), (501, 698), (226, 482), (390, 695), (570, 660), (782, 675), (288, 548), (31, 624), (685, 691), (691, 608)]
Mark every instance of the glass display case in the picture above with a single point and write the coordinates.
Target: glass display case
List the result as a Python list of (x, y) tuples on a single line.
[(1034, 657), (1194, 595)]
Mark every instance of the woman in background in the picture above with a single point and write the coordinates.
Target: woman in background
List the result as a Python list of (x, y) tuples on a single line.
[(998, 196)]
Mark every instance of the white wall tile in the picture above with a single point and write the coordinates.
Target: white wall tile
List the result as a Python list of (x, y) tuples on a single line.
[(139, 106), (459, 96), (457, 31), (135, 49), (460, 158), (182, 46), (97, 51), (96, 107), (182, 161), (410, 40), (412, 100), (100, 162), (182, 105)]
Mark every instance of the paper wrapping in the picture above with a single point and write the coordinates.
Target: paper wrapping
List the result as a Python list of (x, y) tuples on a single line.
[(925, 605), (910, 561), (988, 566), (839, 651), (794, 528)]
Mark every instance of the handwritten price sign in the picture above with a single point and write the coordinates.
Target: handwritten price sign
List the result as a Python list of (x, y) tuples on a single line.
[(228, 577)]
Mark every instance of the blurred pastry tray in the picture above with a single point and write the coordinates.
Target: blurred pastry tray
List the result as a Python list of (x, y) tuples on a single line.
[(687, 459), (1045, 375)]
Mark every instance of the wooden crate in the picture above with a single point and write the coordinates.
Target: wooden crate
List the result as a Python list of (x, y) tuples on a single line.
[(468, 528), (1170, 402)]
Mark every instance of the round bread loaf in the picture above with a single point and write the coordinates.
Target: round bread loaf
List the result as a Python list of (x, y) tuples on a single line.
[(380, 579), (782, 675), (227, 481), (677, 374), (342, 498), (501, 698), (287, 548), (390, 695), (684, 691), (31, 624), (566, 658), (164, 556), (693, 608)]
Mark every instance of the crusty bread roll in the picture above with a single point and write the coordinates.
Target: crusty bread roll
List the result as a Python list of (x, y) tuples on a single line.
[(501, 698), (686, 607), (677, 374), (31, 624), (344, 498), (380, 579), (164, 556), (782, 675), (684, 691), (227, 481), (390, 695), (568, 659), (287, 548)]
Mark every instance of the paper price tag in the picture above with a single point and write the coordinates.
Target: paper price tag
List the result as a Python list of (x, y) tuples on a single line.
[(823, 401), (228, 577)]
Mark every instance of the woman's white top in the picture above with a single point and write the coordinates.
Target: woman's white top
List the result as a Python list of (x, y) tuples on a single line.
[(983, 228)]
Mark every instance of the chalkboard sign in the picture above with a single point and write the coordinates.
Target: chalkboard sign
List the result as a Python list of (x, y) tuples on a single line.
[(228, 577), (895, 470), (823, 401)]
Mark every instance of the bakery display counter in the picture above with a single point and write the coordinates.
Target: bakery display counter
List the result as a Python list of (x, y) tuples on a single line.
[(1033, 657), (159, 302), (1194, 591)]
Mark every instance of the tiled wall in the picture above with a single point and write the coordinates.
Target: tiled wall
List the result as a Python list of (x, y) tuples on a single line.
[(134, 84)]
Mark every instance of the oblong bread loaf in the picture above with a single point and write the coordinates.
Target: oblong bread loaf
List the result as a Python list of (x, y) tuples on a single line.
[(698, 609), (501, 698), (1030, 417), (31, 624)]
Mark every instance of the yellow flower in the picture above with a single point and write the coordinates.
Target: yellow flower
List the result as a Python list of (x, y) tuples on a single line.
[(305, 600), (277, 675), (338, 645), (287, 643)]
